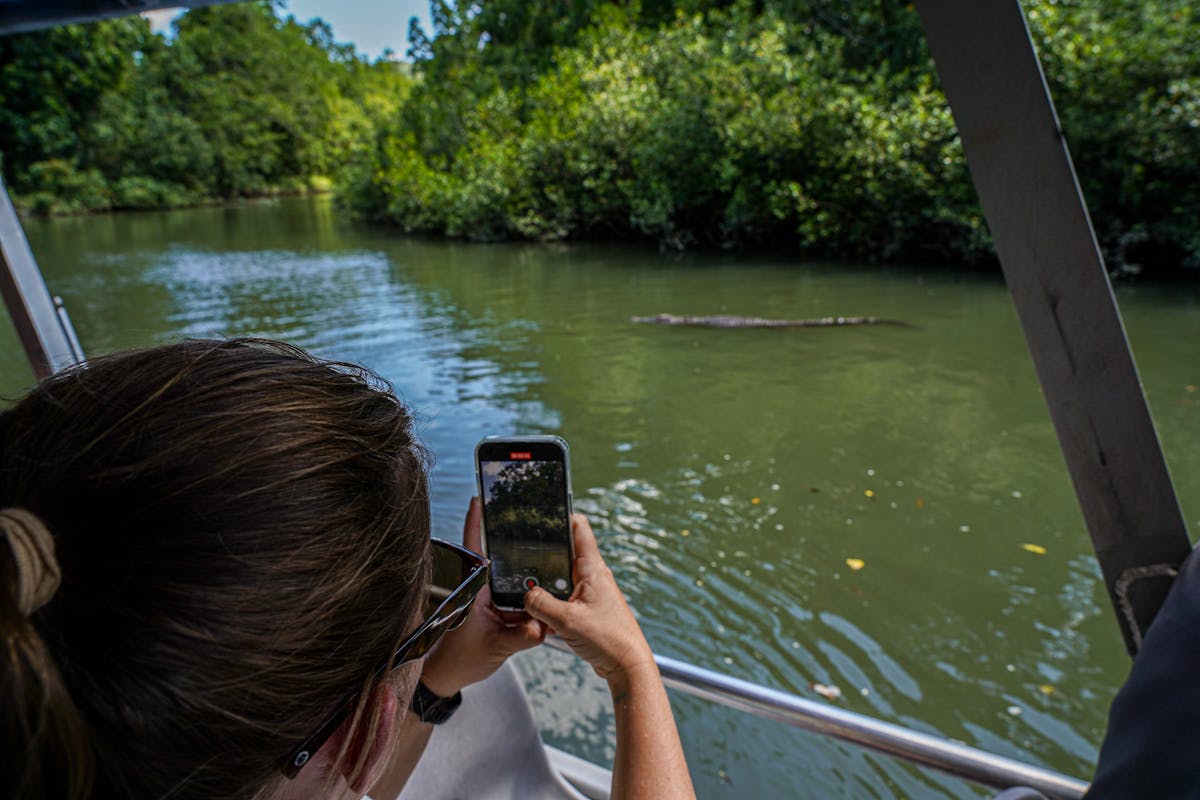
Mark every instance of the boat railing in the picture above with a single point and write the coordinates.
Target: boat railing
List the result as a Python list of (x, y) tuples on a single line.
[(923, 749)]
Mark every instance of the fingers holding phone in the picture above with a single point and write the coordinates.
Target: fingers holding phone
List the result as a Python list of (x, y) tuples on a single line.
[(596, 621)]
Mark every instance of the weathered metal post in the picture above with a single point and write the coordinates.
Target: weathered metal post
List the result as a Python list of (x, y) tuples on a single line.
[(1022, 170), (41, 323)]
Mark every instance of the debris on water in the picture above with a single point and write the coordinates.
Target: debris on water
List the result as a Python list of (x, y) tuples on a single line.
[(920, 502), (1017, 493), (899, 483), (893, 504), (865, 692), (755, 501), (829, 692), (1014, 710), (1046, 689), (870, 473), (1034, 548), (869, 494), (778, 526), (1010, 668), (724, 776), (795, 645), (814, 490), (855, 563), (728, 660), (965, 528), (774, 487), (685, 532), (1191, 389), (849, 521), (699, 582), (726, 456)]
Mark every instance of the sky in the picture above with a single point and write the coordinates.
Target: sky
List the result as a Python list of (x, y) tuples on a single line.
[(371, 25)]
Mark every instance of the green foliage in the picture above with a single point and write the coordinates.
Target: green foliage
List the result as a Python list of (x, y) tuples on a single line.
[(817, 126), (240, 102), (717, 128), (1126, 78)]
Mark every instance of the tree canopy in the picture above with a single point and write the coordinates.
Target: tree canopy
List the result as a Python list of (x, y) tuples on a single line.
[(239, 101), (814, 127)]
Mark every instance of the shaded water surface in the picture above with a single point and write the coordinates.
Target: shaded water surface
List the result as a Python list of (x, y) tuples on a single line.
[(848, 507)]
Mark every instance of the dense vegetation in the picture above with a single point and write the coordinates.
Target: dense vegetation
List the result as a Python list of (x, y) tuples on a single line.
[(811, 124), (238, 103)]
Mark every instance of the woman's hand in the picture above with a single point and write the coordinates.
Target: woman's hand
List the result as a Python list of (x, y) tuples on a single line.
[(478, 647), (596, 621)]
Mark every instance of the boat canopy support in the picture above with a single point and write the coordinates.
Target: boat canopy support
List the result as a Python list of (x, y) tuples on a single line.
[(41, 319), (1039, 222), (19, 16)]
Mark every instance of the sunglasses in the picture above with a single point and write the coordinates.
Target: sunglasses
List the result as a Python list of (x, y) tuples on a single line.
[(452, 566)]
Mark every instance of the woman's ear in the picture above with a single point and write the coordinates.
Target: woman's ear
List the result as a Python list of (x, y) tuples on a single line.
[(371, 750), (318, 779)]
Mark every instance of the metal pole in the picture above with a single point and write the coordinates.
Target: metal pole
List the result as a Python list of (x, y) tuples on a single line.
[(919, 748), (49, 343), (1043, 236), (19, 16)]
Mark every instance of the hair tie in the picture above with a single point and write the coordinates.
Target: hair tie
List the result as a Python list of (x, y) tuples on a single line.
[(38, 574)]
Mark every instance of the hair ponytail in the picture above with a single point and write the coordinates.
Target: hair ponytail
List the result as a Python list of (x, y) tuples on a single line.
[(46, 747)]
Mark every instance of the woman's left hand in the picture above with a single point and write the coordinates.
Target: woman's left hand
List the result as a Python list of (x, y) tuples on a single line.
[(478, 647)]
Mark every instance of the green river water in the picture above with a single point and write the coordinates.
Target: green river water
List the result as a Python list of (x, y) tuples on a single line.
[(730, 474)]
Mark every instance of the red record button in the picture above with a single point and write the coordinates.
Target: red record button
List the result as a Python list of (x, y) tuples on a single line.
[(530, 583)]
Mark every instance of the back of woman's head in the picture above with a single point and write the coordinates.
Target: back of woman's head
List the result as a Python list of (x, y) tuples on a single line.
[(242, 534)]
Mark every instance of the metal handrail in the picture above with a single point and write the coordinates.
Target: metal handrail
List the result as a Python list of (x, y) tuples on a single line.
[(924, 749)]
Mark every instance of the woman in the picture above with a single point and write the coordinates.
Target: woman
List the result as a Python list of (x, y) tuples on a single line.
[(214, 585)]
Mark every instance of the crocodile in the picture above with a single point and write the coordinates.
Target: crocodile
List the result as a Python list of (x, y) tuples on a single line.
[(730, 321)]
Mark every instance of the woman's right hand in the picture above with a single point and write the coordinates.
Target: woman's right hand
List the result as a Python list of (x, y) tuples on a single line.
[(595, 621)]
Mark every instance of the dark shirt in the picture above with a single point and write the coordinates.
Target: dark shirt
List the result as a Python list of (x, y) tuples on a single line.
[(1152, 748)]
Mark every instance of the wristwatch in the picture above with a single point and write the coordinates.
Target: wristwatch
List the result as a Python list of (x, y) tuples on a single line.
[(434, 709)]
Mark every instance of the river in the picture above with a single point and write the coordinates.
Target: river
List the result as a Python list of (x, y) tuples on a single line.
[(880, 509)]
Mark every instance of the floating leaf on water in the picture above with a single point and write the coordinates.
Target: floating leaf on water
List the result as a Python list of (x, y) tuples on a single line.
[(855, 563), (828, 692), (755, 501), (920, 502), (1046, 689), (869, 494), (814, 490), (1034, 548)]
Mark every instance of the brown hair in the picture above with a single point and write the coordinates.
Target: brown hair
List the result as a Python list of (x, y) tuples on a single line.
[(243, 535)]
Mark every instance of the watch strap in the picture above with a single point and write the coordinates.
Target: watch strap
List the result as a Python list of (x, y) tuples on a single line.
[(432, 708)]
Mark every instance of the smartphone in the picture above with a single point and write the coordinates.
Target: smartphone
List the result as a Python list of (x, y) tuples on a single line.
[(525, 485)]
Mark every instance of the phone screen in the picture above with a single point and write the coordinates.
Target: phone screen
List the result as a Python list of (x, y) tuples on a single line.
[(526, 518)]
